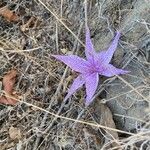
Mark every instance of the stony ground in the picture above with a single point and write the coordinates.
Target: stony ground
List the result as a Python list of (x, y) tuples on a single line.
[(32, 30)]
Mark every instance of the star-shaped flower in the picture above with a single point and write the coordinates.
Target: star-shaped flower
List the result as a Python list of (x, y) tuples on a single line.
[(96, 63)]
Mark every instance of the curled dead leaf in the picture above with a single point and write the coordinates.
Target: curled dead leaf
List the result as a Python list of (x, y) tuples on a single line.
[(8, 14), (8, 84)]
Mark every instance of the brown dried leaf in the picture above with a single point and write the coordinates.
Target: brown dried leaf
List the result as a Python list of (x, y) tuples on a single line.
[(8, 83), (8, 14)]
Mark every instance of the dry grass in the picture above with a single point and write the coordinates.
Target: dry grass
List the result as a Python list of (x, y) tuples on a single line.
[(119, 116)]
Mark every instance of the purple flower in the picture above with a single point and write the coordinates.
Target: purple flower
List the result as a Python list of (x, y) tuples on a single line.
[(96, 63)]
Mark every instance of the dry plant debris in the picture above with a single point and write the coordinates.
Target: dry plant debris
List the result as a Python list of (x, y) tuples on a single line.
[(14, 133), (44, 82), (8, 85)]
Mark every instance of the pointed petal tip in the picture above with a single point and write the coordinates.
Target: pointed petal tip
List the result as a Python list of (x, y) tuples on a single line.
[(55, 56), (86, 27), (66, 98), (110, 71), (87, 31), (87, 104), (125, 72), (122, 72), (118, 34), (59, 57), (88, 101)]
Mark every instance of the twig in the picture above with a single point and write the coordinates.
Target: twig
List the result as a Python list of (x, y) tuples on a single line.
[(57, 46)]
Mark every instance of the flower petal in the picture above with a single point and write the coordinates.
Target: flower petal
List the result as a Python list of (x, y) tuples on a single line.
[(74, 62), (106, 56), (89, 48), (77, 83), (110, 70), (91, 86)]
